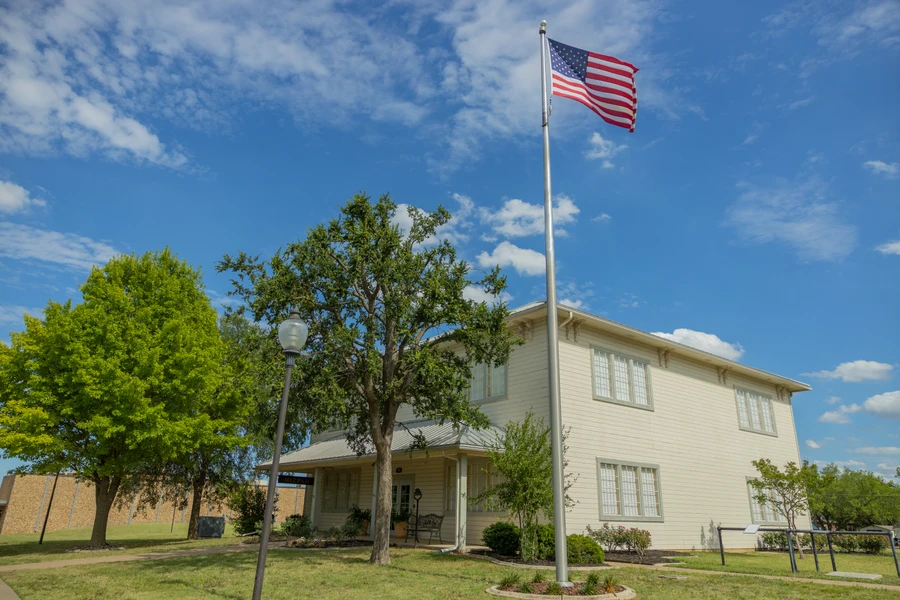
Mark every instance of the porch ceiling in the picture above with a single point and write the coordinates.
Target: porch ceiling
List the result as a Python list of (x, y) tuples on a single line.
[(436, 435)]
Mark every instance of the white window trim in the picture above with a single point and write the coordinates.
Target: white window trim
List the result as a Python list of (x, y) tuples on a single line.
[(350, 501), (774, 432), (752, 500), (640, 489), (495, 398), (611, 371)]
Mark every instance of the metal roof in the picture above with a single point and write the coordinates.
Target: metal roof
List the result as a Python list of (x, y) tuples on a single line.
[(436, 435)]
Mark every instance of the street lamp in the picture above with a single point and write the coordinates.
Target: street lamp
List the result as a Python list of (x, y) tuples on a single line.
[(292, 335)]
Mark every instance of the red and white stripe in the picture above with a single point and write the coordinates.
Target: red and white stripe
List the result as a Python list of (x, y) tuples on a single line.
[(608, 89)]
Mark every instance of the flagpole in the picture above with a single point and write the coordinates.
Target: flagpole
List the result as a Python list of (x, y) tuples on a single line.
[(559, 499)]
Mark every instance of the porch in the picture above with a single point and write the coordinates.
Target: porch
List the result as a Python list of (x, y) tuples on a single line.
[(454, 469)]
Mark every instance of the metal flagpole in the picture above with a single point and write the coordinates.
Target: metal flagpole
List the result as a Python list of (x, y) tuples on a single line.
[(559, 492)]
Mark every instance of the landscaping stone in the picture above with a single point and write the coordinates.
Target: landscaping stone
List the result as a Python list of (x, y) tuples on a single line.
[(851, 575)]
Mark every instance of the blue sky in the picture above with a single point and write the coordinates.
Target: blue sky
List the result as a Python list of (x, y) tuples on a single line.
[(755, 211)]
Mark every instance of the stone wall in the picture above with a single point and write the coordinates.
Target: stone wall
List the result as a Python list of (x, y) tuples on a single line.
[(73, 506)]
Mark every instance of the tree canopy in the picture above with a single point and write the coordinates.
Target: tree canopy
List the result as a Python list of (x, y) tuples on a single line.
[(787, 490), (375, 297), (108, 388), (849, 500)]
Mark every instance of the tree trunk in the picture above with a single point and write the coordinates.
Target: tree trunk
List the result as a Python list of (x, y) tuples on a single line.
[(199, 484), (382, 517), (105, 490), (792, 525)]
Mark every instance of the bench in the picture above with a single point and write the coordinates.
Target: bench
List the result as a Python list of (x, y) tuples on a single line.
[(430, 523)]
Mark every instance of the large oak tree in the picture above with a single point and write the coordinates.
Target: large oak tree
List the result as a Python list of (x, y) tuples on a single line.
[(375, 297)]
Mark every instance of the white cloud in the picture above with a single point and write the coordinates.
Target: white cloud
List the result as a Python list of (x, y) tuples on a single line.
[(889, 247), (454, 231), (517, 218), (575, 294), (11, 314), (839, 416), (885, 405), (842, 27), (523, 260), (14, 198), (856, 371), (843, 464), (795, 214), (800, 103), (601, 218), (477, 294), (832, 400), (603, 149), (813, 444), (889, 170), (707, 342), (66, 249), (886, 450)]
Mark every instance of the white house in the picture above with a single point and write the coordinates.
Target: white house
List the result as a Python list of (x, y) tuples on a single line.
[(661, 436)]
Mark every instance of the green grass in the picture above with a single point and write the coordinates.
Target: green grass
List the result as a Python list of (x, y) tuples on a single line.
[(345, 575), (778, 563), (23, 548)]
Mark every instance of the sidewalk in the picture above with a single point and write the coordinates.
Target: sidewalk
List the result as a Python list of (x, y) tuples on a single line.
[(874, 586)]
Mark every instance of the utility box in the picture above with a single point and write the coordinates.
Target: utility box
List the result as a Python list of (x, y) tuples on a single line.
[(211, 527)]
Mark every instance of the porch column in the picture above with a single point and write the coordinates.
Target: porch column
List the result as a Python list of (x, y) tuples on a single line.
[(314, 505), (462, 479), (374, 502)]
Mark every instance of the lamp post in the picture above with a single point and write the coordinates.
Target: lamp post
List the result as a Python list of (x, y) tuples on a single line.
[(292, 335), (418, 496)]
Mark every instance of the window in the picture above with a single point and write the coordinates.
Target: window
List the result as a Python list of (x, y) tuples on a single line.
[(763, 512), (478, 480), (622, 380), (755, 412), (340, 490), (629, 491), (487, 383)]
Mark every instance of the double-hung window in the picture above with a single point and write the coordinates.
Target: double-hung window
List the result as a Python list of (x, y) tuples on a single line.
[(340, 489), (755, 412), (764, 513), (621, 379), (488, 382), (629, 491)]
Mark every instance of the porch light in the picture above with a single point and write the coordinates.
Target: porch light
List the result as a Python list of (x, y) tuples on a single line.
[(417, 494)]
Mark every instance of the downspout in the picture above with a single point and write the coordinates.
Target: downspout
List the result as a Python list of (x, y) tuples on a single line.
[(456, 524), (567, 321)]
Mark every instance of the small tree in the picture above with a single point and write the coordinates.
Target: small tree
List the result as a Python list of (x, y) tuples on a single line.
[(522, 456), (787, 491), (373, 295)]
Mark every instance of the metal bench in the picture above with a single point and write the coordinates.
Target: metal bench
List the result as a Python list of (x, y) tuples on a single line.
[(430, 523)]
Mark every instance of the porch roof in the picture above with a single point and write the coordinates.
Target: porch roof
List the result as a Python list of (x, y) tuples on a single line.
[(436, 435)]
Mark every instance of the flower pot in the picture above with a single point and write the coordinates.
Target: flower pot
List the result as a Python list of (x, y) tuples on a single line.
[(400, 530), (365, 528)]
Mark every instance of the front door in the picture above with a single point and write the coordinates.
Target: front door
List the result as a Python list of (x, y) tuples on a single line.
[(401, 495)]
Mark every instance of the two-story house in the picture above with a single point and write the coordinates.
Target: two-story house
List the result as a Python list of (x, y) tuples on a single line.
[(661, 436)]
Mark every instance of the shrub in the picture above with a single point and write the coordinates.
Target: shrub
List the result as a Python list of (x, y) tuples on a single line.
[(638, 541), (526, 588), (357, 521), (298, 526), (582, 550), (502, 537), (802, 540), (545, 542), (591, 585), (774, 540), (553, 589), (610, 584), (846, 543), (605, 536), (249, 505), (509, 581), (872, 544), (335, 534), (539, 577)]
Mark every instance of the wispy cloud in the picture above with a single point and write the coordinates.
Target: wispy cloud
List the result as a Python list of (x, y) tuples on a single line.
[(11, 314), (889, 170), (840, 416), (601, 218), (516, 218), (477, 294), (889, 247), (16, 199), (68, 250), (603, 149), (796, 214), (856, 371), (813, 445), (886, 450), (708, 342)]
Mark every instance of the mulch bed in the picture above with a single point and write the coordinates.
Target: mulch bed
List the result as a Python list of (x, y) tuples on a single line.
[(301, 544), (95, 548), (651, 557), (518, 560), (540, 588)]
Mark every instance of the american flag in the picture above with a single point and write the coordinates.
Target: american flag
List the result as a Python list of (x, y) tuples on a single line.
[(602, 83)]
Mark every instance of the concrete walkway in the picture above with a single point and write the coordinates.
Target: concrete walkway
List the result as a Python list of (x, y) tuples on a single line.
[(7, 593), (874, 586)]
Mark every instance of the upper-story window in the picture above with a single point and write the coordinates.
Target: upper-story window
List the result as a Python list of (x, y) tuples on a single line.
[(755, 412), (487, 383), (622, 379)]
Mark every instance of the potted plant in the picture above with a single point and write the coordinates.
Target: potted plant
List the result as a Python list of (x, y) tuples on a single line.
[(400, 519), (361, 516)]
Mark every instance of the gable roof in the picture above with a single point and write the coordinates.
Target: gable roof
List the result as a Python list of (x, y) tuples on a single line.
[(624, 331)]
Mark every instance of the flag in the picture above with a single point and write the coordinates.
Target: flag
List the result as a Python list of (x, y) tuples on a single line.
[(603, 83)]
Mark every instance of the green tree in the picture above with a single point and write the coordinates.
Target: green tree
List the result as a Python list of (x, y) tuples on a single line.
[(787, 490), (522, 456), (374, 297), (848, 499), (105, 388)]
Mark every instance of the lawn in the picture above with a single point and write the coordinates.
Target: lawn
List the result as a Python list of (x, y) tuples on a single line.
[(778, 563), (23, 548), (345, 575)]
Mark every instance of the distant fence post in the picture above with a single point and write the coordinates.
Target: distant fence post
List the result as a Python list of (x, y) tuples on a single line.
[(893, 543), (812, 540), (721, 545), (831, 551), (790, 542)]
